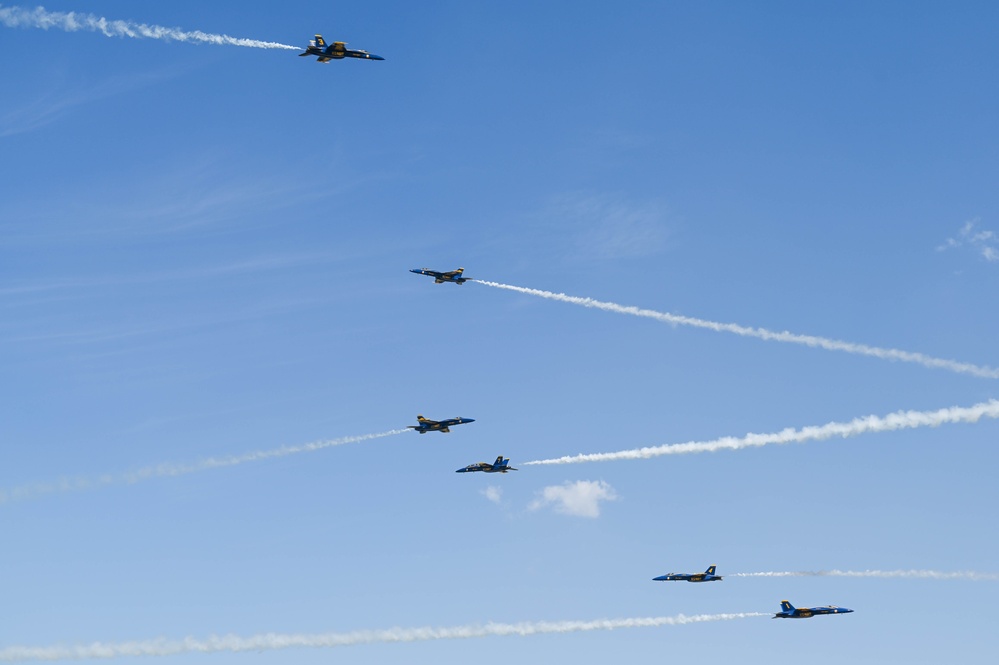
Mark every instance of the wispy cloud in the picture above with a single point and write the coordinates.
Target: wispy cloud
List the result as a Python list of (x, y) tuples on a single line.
[(200, 193), (581, 498), (605, 228), (982, 241), (279, 641), (494, 493), (232, 268), (261, 309), (39, 17), (53, 105), (892, 422), (760, 333), (170, 469), (197, 194)]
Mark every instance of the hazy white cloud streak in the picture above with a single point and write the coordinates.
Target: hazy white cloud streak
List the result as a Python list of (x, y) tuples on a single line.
[(894, 421), (762, 333), (494, 493), (274, 641), (20, 17), (984, 242), (581, 498), (883, 574), (173, 469)]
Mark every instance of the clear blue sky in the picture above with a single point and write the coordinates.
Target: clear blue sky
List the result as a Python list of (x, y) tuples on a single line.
[(204, 252)]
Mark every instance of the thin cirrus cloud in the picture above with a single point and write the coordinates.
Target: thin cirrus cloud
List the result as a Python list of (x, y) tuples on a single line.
[(612, 230), (580, 499), (53, 105), (494, 493), (981, 241), (583, 227), (235, 268)]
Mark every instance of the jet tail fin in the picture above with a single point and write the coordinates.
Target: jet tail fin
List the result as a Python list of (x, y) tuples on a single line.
[(500, 461), (320, 42), (786, 606), (710, 570)]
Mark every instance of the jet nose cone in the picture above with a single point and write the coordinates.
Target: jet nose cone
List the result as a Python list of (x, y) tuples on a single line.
[(375, 57), (469, 420), (845, 611)]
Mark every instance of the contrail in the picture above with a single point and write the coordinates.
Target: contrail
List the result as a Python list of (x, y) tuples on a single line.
[(20, 17), (763, 333), (894, 421), (274, 641), (173, 469), (884, 574)]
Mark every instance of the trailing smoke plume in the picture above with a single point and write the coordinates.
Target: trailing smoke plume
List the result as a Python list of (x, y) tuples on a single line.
[(763, 333), (894, 421), (272, 641), (20, 17), (173, 469), (884, 574)]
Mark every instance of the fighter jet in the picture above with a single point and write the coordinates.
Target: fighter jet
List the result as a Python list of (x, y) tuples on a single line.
[(789, 611), (499, 466), (441, 277), (707, 576), (437, 425), (335, 51)]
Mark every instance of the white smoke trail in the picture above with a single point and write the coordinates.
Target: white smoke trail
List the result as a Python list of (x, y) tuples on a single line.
[(884, 574), (763, 333), (17, 17), (272, 641), (173, 469), (894, 421)]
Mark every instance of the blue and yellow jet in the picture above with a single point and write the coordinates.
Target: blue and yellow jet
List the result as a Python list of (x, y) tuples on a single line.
[(501, 465), (441, 277), (335, 51), (707, 576), (427, 425), (789, 611)]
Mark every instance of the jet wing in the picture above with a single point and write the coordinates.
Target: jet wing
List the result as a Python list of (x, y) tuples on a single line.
[(424, 425)]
